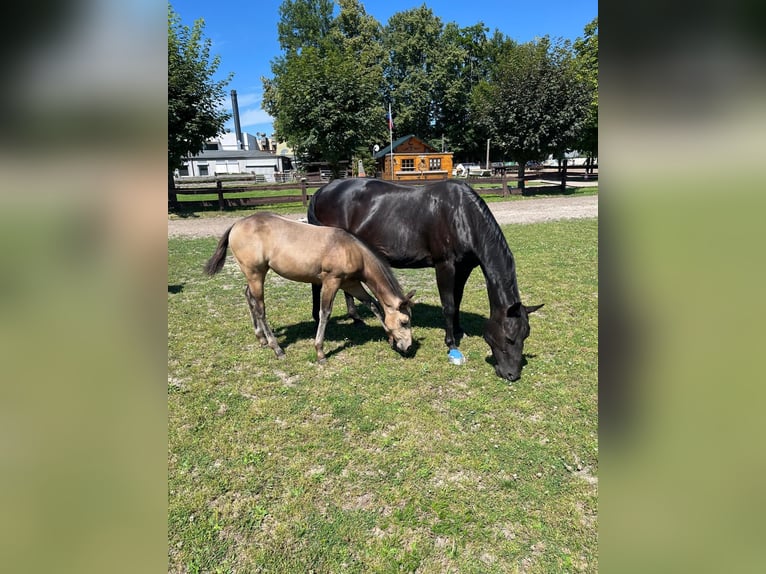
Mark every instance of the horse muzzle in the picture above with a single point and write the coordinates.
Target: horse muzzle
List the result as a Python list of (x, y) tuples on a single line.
[(401, 346), (507, 374)]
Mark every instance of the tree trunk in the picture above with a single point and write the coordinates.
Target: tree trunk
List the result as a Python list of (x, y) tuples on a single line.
[(520, 173)]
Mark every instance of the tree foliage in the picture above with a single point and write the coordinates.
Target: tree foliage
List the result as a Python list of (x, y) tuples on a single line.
[(325, 93), (534, 104), (331, 87), (586, 49), (194, 98)]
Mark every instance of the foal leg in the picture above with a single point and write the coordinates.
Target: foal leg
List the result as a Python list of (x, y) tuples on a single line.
[(258, 310), (361, 293), (327, 296), (353, 312), (251, 304)]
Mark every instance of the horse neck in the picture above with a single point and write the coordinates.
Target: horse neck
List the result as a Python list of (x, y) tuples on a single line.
[(499, 268), (380, 280)]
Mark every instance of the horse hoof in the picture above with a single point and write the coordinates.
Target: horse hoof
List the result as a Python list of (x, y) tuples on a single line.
[(455, 357), (322, 361)]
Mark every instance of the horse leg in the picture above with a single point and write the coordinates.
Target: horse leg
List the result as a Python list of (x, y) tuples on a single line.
[(462, 272), (315, 289), (258, 310), (445, 281), (360, 293), (327, 296), (353, 312), (251, 304)]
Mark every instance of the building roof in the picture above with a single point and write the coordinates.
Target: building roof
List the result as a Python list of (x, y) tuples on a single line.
[(213, 154), (396, 143)]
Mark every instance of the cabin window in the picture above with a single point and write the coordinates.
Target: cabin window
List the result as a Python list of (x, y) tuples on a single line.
[(434, 163), (408, 165)]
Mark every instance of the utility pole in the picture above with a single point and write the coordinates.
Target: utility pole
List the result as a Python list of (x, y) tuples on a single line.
[(487, 154)]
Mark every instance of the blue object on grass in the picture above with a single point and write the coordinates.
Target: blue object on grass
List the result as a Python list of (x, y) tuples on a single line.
[(456, 357)]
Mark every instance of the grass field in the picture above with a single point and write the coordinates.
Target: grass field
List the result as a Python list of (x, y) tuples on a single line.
[(375, 462)]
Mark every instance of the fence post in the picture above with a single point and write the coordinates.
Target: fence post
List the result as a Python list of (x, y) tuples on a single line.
[(219, 187), (304, 194)]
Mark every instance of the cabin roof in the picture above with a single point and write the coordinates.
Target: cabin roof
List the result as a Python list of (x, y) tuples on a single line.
[(396, 143)]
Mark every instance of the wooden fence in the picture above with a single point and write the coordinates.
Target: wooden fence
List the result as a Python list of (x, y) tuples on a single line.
[(223, 187)]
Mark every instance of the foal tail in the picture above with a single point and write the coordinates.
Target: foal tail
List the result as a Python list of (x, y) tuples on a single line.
[(215, 263)]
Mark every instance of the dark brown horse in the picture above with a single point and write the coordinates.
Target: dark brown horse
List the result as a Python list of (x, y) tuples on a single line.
[(445, 225), (327, 257)]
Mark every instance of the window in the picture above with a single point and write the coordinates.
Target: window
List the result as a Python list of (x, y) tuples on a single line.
[(183, 170), (408, 165), (203, 169), (435, 163)]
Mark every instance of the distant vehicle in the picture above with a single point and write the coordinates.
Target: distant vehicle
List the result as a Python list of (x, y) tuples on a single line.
[(470, 169), (574, 159)]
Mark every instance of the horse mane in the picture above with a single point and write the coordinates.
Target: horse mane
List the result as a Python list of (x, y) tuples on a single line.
[(493, 238), (382, 266)]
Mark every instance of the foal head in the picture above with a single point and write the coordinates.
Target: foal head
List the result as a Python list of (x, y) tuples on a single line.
[(505, 335), (396, 322)]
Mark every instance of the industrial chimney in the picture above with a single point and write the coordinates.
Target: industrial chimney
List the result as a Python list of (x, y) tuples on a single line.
[(237, 128)]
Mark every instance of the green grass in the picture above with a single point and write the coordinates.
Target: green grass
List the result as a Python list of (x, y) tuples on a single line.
[(375, 462)]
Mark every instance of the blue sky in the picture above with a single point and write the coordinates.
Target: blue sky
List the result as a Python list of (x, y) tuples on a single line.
[(244, 34)]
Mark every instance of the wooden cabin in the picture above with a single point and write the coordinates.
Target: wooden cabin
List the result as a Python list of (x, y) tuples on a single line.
[(413, 159)]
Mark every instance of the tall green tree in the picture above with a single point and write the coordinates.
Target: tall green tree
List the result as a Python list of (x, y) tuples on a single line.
[(194, 97), (413, 42), (535, 104), (461, 65), (586, 49), (325, 91)]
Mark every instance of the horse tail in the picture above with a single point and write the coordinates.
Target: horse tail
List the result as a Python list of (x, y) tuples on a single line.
[(215, 263)]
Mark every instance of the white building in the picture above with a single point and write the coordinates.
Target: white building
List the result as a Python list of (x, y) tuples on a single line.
[(222, 156), (220, 162)]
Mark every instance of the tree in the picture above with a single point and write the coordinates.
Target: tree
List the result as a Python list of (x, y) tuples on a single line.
[(325, 92), (413, 43), (194, 98), (586, 49), (535, 104)]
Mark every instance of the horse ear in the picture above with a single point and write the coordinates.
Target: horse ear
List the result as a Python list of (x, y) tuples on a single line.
[(407, 303), (533, 308), (514, 310)]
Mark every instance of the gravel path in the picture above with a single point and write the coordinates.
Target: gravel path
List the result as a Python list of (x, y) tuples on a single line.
[(523, 211)]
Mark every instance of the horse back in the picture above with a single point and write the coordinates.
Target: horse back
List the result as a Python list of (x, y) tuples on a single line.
[(294, 250), (411, 226)]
